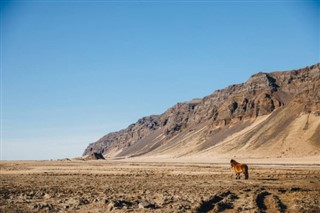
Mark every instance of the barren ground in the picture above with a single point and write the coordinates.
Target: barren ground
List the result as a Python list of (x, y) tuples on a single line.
[(102, 186)]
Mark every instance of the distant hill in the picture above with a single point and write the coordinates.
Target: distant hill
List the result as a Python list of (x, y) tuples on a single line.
[(273, 114)]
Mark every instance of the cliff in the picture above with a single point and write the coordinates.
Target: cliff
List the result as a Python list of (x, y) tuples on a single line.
[(272, 114)]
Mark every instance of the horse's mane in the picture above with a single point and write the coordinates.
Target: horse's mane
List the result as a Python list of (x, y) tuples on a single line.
[(233, 161)]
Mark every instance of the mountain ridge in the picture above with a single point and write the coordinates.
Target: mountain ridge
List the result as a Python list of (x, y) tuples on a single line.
[(207, 124)]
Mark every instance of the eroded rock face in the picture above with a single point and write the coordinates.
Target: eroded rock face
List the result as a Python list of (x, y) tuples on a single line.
[(260, 95)]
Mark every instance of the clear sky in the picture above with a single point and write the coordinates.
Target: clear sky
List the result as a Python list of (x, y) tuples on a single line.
[(72, 71)]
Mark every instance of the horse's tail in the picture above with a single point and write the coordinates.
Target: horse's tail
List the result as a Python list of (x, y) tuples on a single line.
[(246, 172)]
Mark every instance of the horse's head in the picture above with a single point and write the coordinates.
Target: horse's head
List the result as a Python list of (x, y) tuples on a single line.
[(232, 162)]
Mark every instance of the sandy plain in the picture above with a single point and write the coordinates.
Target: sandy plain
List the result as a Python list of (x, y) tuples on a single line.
[(118, 186)]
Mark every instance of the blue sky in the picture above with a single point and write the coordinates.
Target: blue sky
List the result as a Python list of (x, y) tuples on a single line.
[(72, 71)]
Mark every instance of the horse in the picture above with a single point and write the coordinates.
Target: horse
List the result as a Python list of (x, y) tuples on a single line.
[(239, 168)]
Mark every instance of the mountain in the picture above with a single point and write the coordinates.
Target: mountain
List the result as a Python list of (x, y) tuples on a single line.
[(273, 114)]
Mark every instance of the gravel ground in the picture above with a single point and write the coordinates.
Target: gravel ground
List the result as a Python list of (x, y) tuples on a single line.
[(103, 186)]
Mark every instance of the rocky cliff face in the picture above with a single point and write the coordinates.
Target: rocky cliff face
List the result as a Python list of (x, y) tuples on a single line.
[(202, 124)]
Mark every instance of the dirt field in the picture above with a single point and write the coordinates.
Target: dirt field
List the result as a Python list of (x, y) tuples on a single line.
[(102, 186)]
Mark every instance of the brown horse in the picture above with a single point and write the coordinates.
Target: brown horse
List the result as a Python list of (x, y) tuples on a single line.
[(239, 168)]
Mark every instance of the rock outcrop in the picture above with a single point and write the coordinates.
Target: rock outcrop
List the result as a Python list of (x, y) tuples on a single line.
[(94, 156), (203, 125)]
